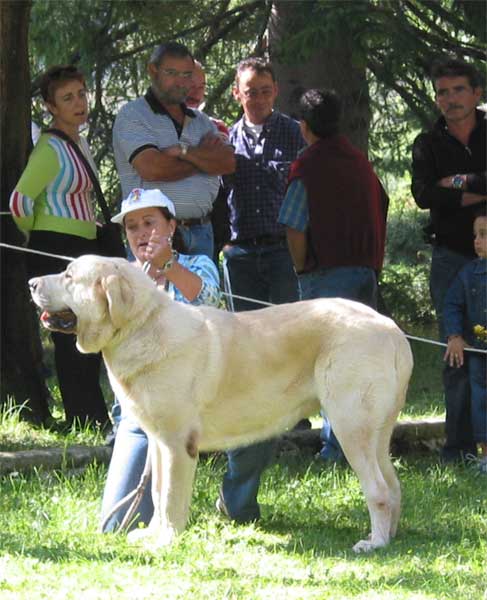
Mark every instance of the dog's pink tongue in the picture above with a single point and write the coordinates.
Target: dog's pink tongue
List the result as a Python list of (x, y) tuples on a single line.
[(44, 315)]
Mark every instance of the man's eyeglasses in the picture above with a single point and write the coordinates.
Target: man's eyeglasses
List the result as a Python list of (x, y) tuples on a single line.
[(176, 73), (254, 93)]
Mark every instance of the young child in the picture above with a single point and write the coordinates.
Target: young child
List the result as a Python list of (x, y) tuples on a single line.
[(465, 316)]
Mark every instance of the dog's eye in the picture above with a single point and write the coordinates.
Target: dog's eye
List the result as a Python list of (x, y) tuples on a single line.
[(67, 275)]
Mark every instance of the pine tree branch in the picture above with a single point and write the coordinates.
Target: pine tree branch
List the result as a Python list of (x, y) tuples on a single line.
[(245, 9), (438, 36), (419, 102)]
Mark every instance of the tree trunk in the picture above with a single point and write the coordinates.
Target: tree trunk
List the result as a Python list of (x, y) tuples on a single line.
[(330, 65), (20, 349)]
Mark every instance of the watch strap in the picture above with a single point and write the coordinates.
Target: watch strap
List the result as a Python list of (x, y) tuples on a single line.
[(168, 264)]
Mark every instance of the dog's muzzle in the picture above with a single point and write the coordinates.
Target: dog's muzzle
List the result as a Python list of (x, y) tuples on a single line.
[(64, 321)]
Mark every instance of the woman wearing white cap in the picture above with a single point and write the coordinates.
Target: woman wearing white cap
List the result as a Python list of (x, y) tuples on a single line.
[(148, 219)]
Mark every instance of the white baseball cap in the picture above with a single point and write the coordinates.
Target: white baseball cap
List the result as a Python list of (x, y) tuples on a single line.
[(139, 198)]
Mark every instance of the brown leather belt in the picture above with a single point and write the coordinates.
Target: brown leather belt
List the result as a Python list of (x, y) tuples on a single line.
[(199, 221)]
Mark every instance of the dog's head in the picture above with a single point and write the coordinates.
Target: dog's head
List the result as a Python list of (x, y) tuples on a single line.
[(94, 297)]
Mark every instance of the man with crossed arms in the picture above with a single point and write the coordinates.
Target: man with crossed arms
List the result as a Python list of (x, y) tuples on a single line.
[(161, 143)]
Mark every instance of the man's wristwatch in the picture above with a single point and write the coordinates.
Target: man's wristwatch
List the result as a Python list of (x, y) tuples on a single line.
[(168, 264), (184, 148), (457, 182)]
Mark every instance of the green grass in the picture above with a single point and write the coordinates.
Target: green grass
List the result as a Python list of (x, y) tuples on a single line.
[(16, 434), (301, 548)]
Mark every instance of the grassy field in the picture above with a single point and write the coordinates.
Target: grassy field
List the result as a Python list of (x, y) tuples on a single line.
[(301, 548)]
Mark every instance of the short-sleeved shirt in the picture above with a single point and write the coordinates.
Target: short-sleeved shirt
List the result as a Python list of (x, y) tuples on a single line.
[(294, 211), (144, 123), (205, 268)]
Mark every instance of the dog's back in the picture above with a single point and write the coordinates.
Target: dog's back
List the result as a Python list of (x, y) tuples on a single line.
[(277, 365)]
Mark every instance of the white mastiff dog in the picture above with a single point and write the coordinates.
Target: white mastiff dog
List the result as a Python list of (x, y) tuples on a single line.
[(199, 378)]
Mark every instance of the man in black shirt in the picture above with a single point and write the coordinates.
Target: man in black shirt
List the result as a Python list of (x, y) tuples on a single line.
[(449, 179)]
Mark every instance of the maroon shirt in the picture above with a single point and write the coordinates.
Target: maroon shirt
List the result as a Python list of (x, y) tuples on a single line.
[(347, 205)]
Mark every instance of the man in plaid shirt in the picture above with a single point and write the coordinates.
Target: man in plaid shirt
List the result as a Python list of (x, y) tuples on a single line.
[(257, 260), (265, 142)]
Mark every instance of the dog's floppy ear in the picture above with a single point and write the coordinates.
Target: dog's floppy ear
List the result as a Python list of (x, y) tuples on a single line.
[(120, 298)]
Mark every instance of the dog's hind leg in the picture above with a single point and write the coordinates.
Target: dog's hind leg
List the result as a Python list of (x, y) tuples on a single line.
[(383, 451), (389, 473), (359, 440)]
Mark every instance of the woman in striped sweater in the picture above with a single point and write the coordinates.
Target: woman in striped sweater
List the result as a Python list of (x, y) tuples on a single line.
[(52, 205)]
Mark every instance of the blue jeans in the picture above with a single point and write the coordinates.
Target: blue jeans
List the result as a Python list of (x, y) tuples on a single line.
[(124, 473), (477, 371), (264, 273), (353, 283), (445, 264), (242, 479), (198, 239)]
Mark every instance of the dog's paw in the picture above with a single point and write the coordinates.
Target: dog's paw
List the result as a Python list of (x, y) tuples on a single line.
[(138, 536), (152, 538), (165, 537), (368, 545)]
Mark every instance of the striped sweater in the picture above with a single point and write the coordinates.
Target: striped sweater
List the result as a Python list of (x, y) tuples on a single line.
[(55, 191)]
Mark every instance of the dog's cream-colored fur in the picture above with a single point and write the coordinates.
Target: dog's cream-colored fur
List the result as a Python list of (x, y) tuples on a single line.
[(199, 378)]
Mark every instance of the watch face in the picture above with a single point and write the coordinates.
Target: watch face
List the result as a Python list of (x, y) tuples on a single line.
[(457, 182)]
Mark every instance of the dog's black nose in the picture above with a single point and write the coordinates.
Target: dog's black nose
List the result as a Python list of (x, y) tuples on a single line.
[(33, 283)]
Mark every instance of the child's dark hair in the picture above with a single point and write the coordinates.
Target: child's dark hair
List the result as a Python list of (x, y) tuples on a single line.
[(321, 111)]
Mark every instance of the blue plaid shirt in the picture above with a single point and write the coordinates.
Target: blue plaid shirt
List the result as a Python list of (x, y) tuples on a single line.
[(259, 182)]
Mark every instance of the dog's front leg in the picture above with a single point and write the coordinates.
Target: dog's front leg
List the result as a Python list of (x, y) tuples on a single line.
[(157, 523), (178, 468)]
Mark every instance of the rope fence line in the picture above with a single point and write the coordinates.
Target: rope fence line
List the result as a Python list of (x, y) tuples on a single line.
[(30, 251), (231, 296)]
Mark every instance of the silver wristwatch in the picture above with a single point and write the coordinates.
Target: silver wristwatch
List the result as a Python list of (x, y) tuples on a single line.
[(457, 182)]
